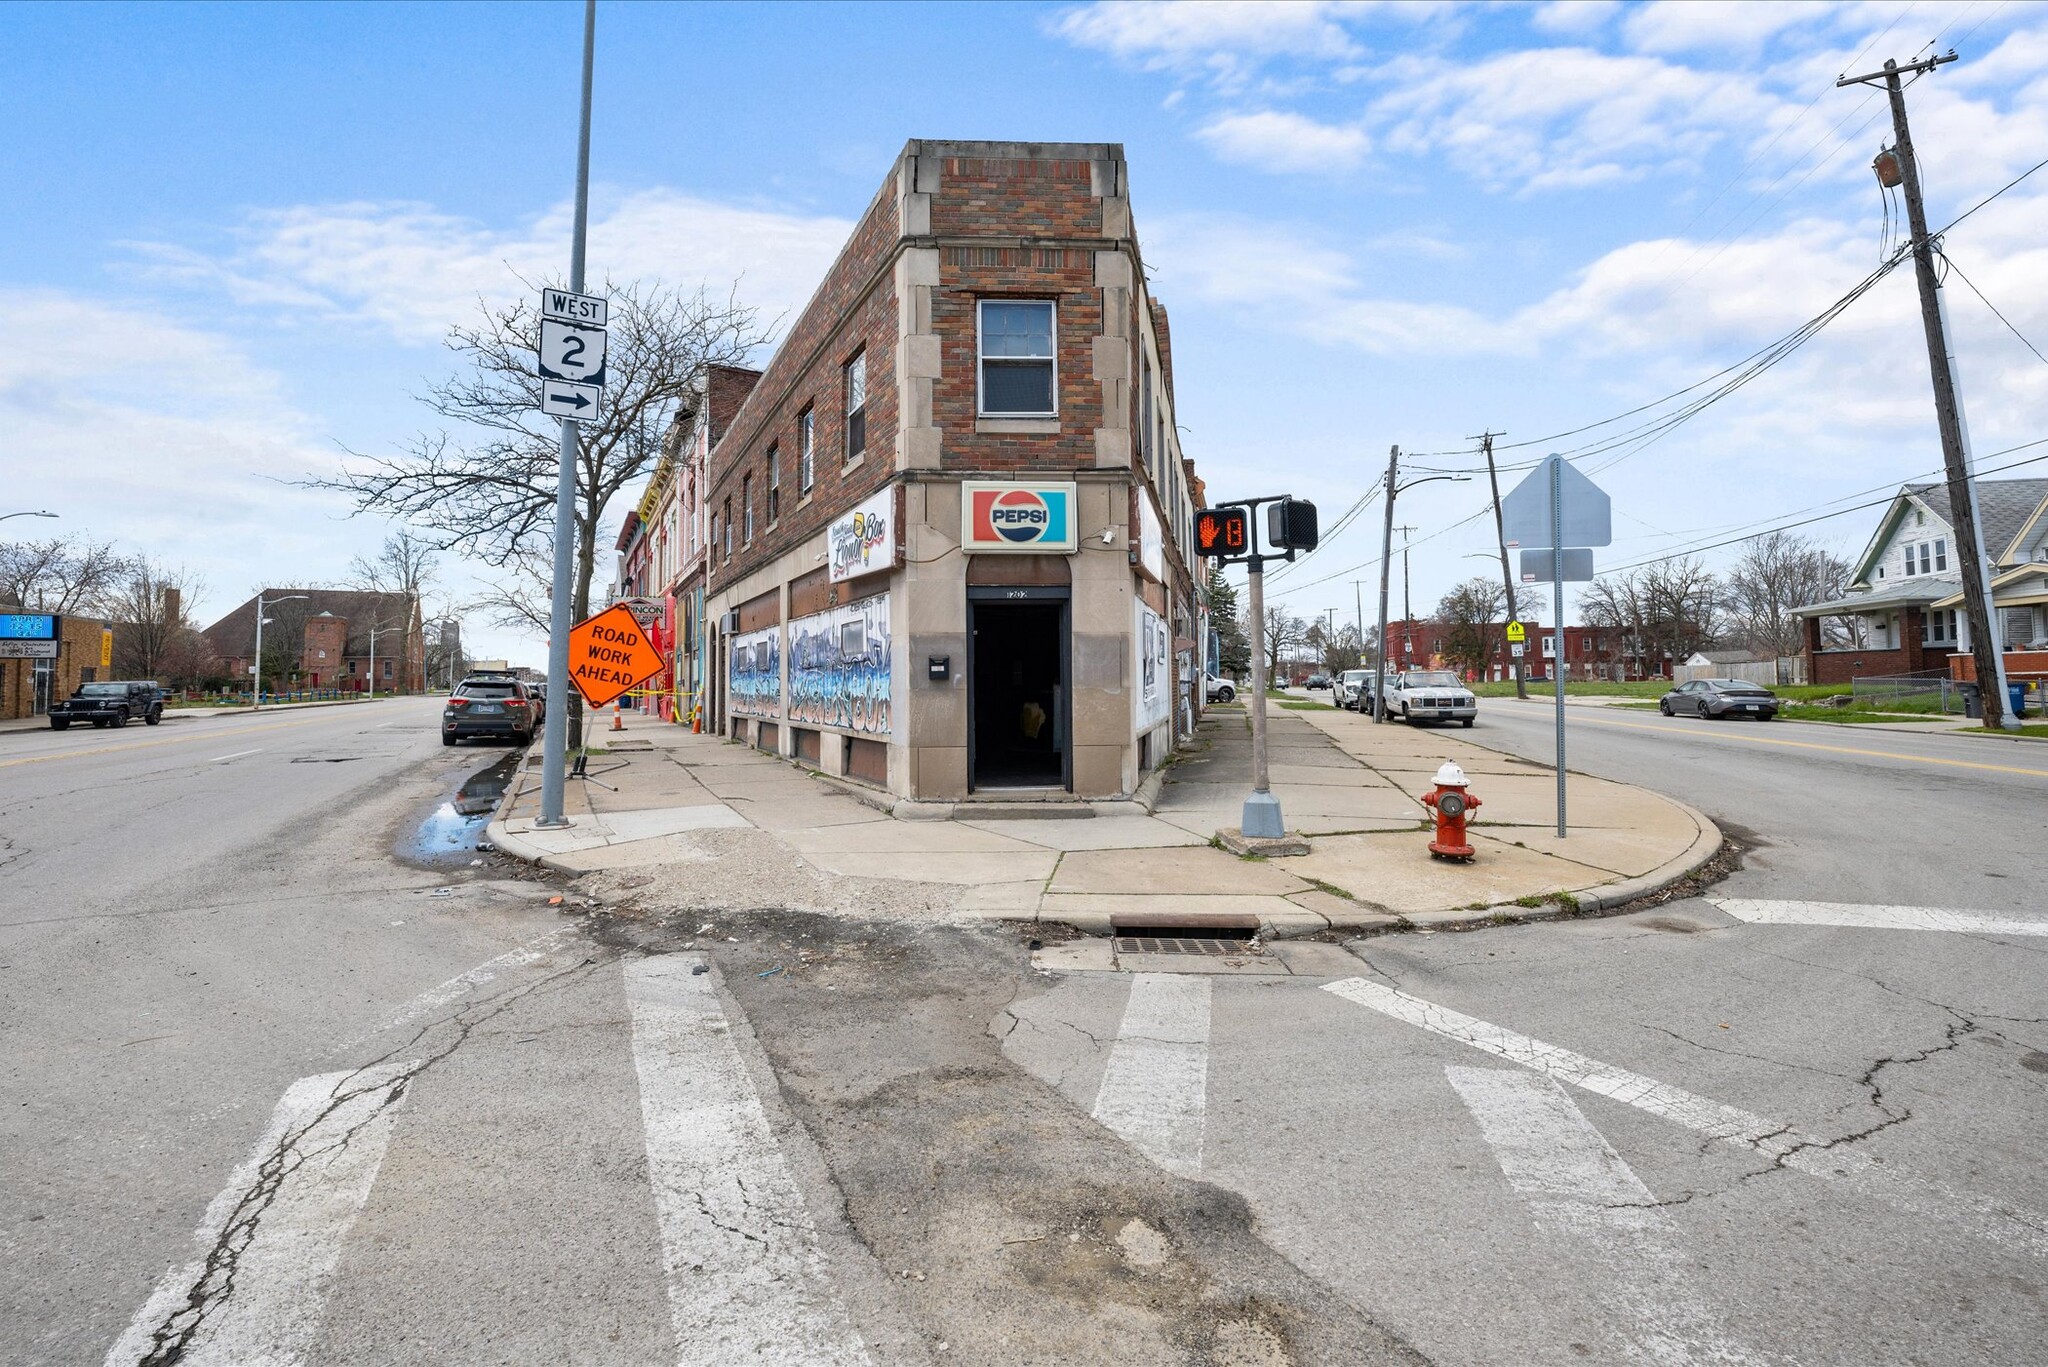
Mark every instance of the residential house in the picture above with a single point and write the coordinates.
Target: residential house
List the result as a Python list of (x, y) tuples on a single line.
[(1903, 613)]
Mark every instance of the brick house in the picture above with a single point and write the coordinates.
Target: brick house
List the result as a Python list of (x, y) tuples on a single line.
[(332, 640), (1590, 652), (1904, 613), (947, 528)]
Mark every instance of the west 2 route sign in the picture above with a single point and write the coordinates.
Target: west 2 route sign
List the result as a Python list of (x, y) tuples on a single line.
[(609, 655), (571, 353)]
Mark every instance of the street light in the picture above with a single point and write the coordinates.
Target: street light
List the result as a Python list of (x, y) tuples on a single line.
[(5, 516), (256, 669), (1394, 487)]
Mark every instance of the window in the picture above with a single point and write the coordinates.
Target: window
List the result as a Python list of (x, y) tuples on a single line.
[(2016, 627), (856, 407), (713, 543), (806, 452), (1549, 646), (1941, 553), (387, 668), (1017, 358), (728, 528), (747, 509), (774, 485), (1939, 627)]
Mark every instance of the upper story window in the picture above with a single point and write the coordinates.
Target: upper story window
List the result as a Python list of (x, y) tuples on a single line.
[(1017, 372), (1927, 557), (728, 527), (747, 509), (774, 485), (806, 451), (856, 407)]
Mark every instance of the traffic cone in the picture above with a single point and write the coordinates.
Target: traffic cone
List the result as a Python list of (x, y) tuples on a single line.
[(618, 716)]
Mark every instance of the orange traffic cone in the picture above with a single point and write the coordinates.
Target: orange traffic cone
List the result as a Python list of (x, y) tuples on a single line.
[(618, 716)]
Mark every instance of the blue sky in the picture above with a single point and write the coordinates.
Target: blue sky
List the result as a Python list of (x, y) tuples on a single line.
[(240, 230)]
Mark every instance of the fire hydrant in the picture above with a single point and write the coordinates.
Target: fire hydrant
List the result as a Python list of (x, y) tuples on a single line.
[(1449, 803)]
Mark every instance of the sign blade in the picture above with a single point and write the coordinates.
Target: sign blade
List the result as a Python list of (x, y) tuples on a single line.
[(1586, 513)]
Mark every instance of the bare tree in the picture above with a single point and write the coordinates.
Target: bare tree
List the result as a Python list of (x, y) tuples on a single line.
[(155, 636), (66, 574), (407, 567), (1468, 614), (1283, 630), (1776, 574), (518, 597), (1685, 601), (488, 488)]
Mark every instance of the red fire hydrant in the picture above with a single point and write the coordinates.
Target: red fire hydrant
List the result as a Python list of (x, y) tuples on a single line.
[(1449, 802)]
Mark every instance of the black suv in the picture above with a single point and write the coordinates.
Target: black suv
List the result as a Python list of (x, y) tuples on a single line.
[(113, 703), (490, 705)]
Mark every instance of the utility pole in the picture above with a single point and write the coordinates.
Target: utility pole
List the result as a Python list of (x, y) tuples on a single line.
[(1407, 608), (1507, 578), (1379, 671), (256, 670), (555, 732), (1985, 647)]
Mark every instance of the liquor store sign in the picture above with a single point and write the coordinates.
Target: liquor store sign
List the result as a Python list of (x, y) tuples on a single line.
[(1016, 517), (29, 635)]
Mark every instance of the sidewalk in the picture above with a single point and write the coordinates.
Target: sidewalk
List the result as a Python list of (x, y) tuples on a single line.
[(690, 822)]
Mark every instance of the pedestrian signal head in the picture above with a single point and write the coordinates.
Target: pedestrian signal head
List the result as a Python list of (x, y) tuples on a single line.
[(1291, 524), (1222, 532)]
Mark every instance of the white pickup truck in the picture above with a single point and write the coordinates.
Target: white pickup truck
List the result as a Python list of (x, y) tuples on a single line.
[(1419, 695)]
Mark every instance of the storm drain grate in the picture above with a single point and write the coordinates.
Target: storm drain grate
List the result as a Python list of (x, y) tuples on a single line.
[(1184, 944)]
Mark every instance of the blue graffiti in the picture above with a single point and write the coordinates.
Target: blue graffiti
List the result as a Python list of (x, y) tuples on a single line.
[(839, 669), (756, 675)]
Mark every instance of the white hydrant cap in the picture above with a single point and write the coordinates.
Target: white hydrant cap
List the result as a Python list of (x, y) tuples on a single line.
[(1450, 776)]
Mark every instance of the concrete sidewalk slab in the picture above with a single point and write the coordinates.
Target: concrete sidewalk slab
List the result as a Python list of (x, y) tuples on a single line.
[(967, 868), (1398, 873), (1178, 871), (883, 836), (1103, 833)]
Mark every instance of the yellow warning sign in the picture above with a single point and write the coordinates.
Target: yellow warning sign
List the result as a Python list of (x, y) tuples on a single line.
[(609, 655), (1517, 632), (106, 647)]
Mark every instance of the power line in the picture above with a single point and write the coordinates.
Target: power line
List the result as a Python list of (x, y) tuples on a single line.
[(1951, 261), (1941, 232)]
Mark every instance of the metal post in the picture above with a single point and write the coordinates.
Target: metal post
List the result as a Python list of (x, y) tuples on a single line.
[(1507, 577), (1379, 671), (1262, 819), (555, 734), (256, 674), (1557, 627), (373, 664)]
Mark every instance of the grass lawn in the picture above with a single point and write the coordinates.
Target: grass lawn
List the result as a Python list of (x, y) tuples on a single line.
[(2035, 730), (1300, 704)]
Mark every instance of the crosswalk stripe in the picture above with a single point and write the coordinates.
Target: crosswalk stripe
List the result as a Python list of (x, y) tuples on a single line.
[(1575, 1182), (746, 1282), (268, 1244), (1155, 1088), (1854, 916), (1777, 1141), (462, 984)]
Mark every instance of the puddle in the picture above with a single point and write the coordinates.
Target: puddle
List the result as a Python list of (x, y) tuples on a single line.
[(449, 834)]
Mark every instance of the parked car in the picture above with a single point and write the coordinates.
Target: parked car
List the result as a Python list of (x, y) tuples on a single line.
[(1215, 689), (110, 703), (1720, 698), (490, 705), (1420, 695), (1352, 686), (1316, 681)]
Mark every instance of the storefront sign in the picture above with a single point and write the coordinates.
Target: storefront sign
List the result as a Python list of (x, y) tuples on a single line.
[(29, 635), (839, 667), (863, 540), (1151, 537), (754, 674), (1016, 517)]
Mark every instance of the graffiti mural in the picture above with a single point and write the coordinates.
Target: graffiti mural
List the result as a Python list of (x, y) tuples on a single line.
[(755, 673), (839, 667)]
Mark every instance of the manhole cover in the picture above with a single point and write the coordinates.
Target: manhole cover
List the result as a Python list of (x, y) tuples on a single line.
[(1183, 944)]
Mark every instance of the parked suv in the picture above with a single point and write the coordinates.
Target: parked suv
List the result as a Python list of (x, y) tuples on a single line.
[(490, 705), (1216, 689), (1351, 686), (113, 703)]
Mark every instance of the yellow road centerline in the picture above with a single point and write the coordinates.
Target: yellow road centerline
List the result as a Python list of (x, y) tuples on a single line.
[(208, 734), (1813, 745)]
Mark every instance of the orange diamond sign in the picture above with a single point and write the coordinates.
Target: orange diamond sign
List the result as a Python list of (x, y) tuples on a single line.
[(609, 654)]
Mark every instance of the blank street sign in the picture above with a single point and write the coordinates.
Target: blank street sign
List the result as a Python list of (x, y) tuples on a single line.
[(1536, 567), (1588, 516)]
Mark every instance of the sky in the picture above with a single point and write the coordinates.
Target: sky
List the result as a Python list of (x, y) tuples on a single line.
[(241, 232)]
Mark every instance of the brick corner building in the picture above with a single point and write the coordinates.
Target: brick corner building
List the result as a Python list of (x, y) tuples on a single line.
[(947, 530)]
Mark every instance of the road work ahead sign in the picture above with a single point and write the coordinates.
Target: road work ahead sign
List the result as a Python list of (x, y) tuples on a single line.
[(610, 654)]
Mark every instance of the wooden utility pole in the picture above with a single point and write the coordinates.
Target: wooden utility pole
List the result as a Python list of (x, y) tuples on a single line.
[(1379, 673), (1507, 578), (1948, 403)]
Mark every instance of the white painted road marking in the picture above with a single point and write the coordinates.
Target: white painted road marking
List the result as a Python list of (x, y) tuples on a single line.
[(1876, 917), (1575, 1181), (1155, 1089), (267, 1246), (533, 951), (746, 1283), (222, 759), (1776, 1140)]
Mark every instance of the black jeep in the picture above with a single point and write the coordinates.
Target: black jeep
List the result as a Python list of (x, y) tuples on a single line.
[(113, 703)]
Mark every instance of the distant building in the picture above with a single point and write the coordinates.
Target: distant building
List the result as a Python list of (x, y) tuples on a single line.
[(44, 657), (327, 638), (1590, 652)]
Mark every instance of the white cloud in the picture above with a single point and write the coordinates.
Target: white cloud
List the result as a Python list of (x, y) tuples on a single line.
[(1688, 25), (1575, 18), (1214, 36), (1275, 140), (413, 270), (1560, 117)]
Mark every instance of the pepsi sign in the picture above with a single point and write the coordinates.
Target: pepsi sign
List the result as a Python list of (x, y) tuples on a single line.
[(1016, 517)]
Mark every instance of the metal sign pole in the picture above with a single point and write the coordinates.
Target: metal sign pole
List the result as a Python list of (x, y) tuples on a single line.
[(554, 745), (1557, 625), (1261, 819)]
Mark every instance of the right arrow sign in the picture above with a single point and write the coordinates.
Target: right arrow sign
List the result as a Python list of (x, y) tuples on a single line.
[(1586, 514), (563, 399)]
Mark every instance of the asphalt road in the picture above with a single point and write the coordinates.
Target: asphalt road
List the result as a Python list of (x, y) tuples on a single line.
[(268, 1097)]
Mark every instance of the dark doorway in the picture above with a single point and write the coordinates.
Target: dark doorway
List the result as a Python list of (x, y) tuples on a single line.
[(1019, 689)]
